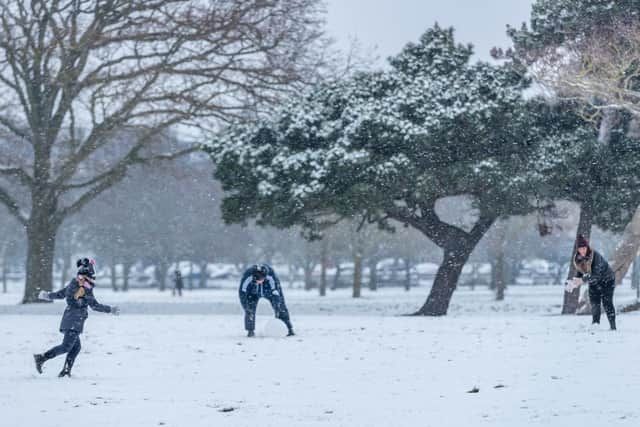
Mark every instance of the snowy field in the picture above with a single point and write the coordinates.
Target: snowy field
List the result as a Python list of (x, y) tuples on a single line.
[(186, 363)]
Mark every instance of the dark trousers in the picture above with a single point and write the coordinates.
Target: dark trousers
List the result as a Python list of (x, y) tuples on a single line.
[(603, 294), (279, 308), (70, 345)]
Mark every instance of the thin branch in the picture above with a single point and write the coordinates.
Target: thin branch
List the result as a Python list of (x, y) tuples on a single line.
[(19, 173), (12, 206)]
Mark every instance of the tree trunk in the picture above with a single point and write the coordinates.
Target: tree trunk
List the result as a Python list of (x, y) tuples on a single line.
[(336, 278), (445, 282), (494, 275), (394, 271), (323, 268), (126, 275), (357, 273), (628, 248), (500, 276), (293, 272), (114, 276), (457, 245), (5, 268), (66, 264), (571, 299), (203, 275), (41, 240), (474, 277), (500, 267), (161, 274), (308, 280), (407, 275), (373, 274)]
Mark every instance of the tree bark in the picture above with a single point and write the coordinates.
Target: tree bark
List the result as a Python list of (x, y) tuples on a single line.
[(41, 238), (628, 248), (114, 277), (126, 275), (191, 281), (357, 273), (5, 268), (407, 274), (473, 278), (500, 267), (336, 278), (66, 264), (457, 246), (494, 275), (322, 289), (308, 278), (445, 282), (203, 275), (500, 276), (161, 274), (373, 274), (571, 299)]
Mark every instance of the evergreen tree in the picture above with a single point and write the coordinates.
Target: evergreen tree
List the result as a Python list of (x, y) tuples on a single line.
[(390, 145)]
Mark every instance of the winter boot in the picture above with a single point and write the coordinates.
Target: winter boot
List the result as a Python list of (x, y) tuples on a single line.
[(66, 370), (290, 333), (251, 334), (39, 359), (612, 323)]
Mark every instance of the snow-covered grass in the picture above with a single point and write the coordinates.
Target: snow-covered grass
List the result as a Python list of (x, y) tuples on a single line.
[(353, 363)]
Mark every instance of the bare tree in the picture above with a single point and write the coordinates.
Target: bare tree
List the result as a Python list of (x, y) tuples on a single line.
[(84, 77), (601, 69)]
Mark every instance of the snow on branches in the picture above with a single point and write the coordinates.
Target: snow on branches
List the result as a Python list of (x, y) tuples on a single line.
[(375, 131)]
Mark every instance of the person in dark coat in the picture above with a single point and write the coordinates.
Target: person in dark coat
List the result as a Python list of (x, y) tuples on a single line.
[(593, 269), (178, 284), (78, 295), (260, 281)]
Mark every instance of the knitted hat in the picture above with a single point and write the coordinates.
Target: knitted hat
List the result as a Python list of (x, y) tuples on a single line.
[(260, 271), (86, 267), (581, 242)]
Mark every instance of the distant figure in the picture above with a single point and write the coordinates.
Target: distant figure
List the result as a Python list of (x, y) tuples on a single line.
[(260, 281), (178, 284), (79, 295), (593, 269)]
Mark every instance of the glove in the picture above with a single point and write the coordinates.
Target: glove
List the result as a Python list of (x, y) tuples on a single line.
[(115, 310), (44, 295)]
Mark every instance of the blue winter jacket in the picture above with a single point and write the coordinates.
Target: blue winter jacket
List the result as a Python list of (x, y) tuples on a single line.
[(249, 288), (76, 312)]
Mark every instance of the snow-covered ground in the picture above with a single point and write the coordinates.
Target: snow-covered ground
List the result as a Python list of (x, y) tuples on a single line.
[(186, 363)]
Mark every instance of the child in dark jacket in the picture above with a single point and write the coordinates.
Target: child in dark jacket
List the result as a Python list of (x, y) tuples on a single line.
[(78, 295)]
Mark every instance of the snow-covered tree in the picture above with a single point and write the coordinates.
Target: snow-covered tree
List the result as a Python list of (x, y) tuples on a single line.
[(390, 145)]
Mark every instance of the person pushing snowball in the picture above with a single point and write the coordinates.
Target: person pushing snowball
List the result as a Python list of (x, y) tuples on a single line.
[(260, 281)]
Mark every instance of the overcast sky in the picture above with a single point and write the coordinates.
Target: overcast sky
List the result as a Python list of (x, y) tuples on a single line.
[(390, 24)]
